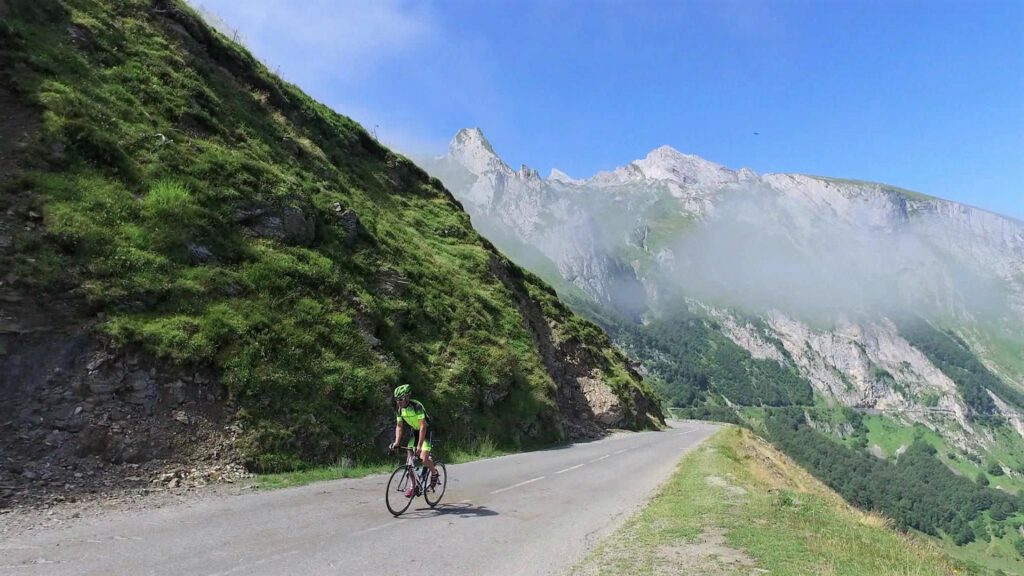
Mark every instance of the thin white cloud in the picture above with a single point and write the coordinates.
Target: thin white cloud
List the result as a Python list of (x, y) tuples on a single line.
[(343, 38)]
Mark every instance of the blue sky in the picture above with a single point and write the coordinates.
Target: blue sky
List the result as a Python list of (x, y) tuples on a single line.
[(924, 95)]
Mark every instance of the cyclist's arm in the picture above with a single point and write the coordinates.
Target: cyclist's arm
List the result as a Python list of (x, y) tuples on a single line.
[(398, 432), (423, 434)]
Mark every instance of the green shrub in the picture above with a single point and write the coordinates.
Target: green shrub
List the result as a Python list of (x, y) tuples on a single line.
[(1018, 545)]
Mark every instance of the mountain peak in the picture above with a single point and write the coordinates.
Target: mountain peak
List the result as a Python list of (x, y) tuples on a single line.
[(470, 148), (667, 163), (471, 137), (559, 176), (666, 151)]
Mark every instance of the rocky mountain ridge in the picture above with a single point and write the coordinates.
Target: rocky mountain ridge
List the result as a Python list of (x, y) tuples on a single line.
[(532, 206), (671, 225)]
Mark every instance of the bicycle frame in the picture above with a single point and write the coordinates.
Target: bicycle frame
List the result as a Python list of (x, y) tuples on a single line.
[(399, 489), (410, 463), (410, 457)]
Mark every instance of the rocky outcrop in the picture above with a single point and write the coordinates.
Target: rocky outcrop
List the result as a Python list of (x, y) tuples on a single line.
[(864, 364), (586, 402), (506, 203), (287, 224), (602, 402), (350, 224)]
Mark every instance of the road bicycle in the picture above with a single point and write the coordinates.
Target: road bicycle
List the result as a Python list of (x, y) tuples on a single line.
[(413, 473)]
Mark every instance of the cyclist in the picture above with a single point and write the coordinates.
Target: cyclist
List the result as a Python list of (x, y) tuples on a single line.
[(411, 412)]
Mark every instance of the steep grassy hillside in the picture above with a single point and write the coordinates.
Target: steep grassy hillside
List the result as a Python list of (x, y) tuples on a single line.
[(930, 487), (738, 506), (195, 209)]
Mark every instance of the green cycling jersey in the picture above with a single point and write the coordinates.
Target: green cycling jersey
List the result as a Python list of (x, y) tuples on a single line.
[(413, 414)]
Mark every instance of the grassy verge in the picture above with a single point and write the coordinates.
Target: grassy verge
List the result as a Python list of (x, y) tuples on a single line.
[(319, 474), (485, 448), (738, 506)]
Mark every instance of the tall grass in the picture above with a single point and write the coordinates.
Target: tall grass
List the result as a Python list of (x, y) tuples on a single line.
[(737, 506)]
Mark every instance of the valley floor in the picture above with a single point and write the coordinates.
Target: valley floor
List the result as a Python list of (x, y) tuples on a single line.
[(737, 506)]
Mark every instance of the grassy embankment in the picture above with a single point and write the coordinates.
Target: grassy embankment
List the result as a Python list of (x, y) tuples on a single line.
[(484, 448), (995, 547), (216, 217), (738, 506)]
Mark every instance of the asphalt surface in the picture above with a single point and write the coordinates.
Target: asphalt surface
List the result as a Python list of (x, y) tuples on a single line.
[(530, 513)]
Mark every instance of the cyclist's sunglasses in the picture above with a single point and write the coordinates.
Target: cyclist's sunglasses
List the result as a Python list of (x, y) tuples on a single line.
[(403, 398)]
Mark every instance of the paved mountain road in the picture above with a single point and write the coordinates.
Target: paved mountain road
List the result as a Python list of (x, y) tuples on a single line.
[(530, 513)]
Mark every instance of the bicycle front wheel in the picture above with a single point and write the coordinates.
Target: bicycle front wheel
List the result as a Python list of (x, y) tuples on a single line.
[(395, 497), (433, 495)]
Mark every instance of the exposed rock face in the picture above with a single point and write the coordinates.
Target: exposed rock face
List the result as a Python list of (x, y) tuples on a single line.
[(587, 404), (350, 224), (288, 224), (975, 239), (864, 364), (471, 149), (77, 417), (526, 207), (606, 407), (199, 254), (668, 164)]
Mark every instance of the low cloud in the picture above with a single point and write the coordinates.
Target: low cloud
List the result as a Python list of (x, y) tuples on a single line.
[(760, 251)]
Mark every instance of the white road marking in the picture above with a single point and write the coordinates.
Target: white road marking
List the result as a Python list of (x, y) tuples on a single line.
[(499, 491), (620, 451), (599, 459), (260, 562), (36, 562), (374, 529), (570, 468)]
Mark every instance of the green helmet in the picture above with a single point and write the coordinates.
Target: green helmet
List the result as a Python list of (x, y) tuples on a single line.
[(402, 390)]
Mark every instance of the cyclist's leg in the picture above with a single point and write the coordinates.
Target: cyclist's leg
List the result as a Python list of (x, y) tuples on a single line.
[(425, 455), (413, 481)]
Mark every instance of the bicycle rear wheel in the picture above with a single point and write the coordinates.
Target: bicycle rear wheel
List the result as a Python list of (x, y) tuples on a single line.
[(434, 495), (395, 498)]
